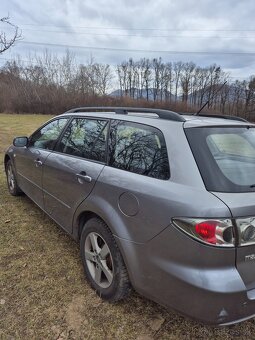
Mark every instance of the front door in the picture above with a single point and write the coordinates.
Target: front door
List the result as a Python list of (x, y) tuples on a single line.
[(30, 160)]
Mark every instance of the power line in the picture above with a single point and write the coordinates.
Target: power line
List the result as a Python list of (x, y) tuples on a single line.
[(136, 50), (143, 36), (141, 28), (18, 60)]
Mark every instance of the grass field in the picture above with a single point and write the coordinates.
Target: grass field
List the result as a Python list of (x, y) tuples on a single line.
[(43, 291)]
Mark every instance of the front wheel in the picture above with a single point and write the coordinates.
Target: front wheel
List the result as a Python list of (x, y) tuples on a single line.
[(102, 261), (13, 187)]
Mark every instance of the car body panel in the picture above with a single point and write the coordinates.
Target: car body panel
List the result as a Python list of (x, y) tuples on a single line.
[(158, 202), (191, 277), (29, 163), (65, 187), (200, 121), (242, 205)]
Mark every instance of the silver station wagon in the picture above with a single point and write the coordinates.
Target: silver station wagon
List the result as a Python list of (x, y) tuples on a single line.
[(161, 202)]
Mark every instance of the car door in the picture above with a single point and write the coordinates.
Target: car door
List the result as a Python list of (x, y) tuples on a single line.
[(29, 160), (135, 181), (71, 171)]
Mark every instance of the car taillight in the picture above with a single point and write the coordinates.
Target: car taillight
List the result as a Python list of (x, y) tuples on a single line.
[(246, 230), (218, 232), (207, 230)]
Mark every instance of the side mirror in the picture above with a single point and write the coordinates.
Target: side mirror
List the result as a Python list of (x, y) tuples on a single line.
[(20, 141)]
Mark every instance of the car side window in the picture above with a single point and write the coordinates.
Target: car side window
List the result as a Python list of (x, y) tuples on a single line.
[(138, 148), (85, 138), (46, 137)]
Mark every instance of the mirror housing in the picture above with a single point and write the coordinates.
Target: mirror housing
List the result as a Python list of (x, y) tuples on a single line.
[(20, 141)]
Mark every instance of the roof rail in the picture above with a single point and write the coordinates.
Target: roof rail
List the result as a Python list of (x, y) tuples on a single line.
[(163, 114), (223, 116)]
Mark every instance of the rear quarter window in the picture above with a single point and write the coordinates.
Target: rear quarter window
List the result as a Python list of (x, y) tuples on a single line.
[(138, 148)]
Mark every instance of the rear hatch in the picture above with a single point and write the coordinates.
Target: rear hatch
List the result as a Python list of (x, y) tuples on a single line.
[(225, 156), (242, 207)]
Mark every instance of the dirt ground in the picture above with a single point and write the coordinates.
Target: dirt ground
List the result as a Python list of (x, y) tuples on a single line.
[(43, 292)]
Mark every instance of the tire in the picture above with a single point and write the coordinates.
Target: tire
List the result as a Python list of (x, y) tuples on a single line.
[(13, 187), (102, 261)]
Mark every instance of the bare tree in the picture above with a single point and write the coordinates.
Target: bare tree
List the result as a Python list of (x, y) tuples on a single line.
[(186, 78), (6, 40), (156, 66), (250, 97), (103, 76), (178, 66), (146, 75)]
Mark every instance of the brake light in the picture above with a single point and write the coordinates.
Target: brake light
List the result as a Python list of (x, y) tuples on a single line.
[(207, 230), (218, 232)]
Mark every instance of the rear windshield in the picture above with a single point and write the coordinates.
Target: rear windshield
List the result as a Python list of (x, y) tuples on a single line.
[(225, 157)]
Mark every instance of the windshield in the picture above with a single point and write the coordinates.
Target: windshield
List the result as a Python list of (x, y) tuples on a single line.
[(225, 157)]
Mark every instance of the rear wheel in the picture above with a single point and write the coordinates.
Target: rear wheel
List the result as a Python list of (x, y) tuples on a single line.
[(102, 261), (13, 187)]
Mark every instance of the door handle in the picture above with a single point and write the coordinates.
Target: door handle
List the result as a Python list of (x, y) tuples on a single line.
[(38, 162), (83, 176)]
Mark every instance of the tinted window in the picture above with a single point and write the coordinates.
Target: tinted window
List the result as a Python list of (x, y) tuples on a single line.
[(85, 138), (138, 148), (46, 137), (225, 156)]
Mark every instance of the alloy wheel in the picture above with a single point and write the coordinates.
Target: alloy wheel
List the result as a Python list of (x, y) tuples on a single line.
[(99, 260), (10, 178)]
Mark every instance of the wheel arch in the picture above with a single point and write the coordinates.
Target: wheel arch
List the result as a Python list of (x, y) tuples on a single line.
[(93, 208), (86, 215), (82, 219), (6, 159)]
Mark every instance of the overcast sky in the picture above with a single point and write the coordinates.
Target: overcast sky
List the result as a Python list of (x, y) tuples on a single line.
[(112, 31)]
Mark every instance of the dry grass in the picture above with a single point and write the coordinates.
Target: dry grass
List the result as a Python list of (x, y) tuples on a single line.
[(43, 291)]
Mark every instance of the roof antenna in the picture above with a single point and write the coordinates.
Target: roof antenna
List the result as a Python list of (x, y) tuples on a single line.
[(208, 101)]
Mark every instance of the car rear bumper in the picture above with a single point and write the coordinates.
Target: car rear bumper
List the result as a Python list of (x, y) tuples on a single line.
[(199, 281)]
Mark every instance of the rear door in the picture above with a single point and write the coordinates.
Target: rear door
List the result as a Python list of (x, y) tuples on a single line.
[(134, 185), (71, 171)]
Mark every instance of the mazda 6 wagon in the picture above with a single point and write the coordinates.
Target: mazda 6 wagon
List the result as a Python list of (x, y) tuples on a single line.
[(161, 202)]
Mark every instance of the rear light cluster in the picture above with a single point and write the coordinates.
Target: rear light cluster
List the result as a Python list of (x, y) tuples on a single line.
[(219, 232), (246, 230)]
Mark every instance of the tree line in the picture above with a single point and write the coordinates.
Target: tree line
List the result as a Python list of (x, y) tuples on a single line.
[(52, 84), (187, 83)]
